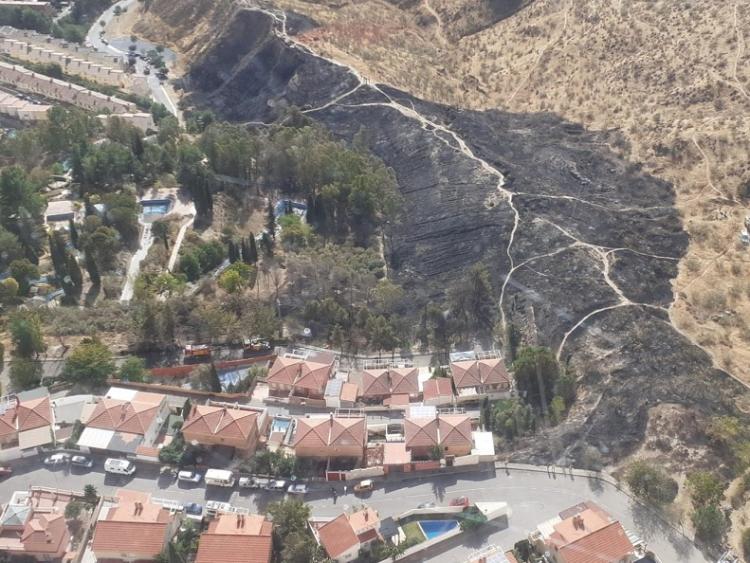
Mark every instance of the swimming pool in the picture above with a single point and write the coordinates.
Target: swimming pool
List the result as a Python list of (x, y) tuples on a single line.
[(435, 528), (155, 207), (280, 424)]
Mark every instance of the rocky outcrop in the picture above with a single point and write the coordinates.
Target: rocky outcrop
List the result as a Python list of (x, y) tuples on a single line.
[(589, 241)]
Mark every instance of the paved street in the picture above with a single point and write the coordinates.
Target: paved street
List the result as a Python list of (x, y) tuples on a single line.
[(532, 496)]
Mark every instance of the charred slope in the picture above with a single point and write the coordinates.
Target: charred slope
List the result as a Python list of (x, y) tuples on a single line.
[(566, 227)]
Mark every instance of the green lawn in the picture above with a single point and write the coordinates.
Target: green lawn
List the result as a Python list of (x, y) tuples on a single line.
[(413, 533)]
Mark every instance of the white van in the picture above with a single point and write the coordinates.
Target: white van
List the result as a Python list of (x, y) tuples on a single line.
[(119, 466), (219, 477)]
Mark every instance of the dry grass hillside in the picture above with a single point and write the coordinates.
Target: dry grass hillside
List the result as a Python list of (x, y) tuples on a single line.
[(673, 79)]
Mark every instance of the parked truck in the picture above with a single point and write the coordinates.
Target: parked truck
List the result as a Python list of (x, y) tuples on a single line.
[(194, 353), (220, 478)]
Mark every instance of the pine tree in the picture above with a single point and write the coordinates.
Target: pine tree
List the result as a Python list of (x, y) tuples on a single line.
[(214, 379), (167, 324), (271, 220), (57, 253), (73, 233)]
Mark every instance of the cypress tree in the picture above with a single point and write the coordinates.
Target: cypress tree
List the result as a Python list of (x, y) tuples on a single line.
[(245, 251), (92, 268), (73, 233), (253, 250), (233, 251), (271, 220), (214, 380), (76, 278), (57, 253)]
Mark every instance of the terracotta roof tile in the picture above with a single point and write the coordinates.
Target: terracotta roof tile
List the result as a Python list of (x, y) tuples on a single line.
[(421, 432), (133, 417), (117, 536), (227, 542), (375, 383), (337, 536), (8, 423), (606, 545), (221, 421), (493, 372), (472, 373), (34, 414), (284, 370), (404, 380), (323, 432), (438, 387), (455, 430), (45, 533)]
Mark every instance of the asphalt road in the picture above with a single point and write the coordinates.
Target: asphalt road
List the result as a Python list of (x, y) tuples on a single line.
[(95, 40), (533, 497)]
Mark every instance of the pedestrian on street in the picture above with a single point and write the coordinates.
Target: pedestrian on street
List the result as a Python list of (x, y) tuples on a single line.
[(344, 489)]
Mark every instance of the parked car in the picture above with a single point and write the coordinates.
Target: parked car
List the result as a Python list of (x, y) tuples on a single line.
[(253, 346), (189, 476), (119, 466), (82, 461), (253, 482), (55, 460), (297, 489), (460, 501), (427, 505), (194, 511), (5, 471), (277, 485), (364, 486)]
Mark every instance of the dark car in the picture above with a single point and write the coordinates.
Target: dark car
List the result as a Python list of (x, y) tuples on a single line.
[(5, 471), (194, 509), (82, 461)]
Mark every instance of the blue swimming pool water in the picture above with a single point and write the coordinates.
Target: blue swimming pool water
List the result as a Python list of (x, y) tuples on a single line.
[(155, 207), (231, 377), (280, 424), (435, 528)]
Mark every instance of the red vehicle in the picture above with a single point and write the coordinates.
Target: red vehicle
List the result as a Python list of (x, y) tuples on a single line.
[(460, 501), (5, 471), (196, 353), (255, 346)]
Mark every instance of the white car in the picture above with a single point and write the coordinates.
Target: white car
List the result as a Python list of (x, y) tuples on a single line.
[(56, 460), (189, 476), (278, 485), (82, 461), (297, 489)]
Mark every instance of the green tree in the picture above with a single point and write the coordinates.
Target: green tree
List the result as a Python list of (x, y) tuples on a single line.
[(8, 291), (73, 510), (249, 250), (90, 495), (288, 516), (565, 387), (92, 268), (17, 194), (23, 272), (705, 488), (25, 374), (710, 523), (294, 232), (235, 278), (26, 334), (300, 547), (90, 363), (133, 369), (557, 409), (651, 483), (190, 266), (536, 372), (271, 219), (746, 538)]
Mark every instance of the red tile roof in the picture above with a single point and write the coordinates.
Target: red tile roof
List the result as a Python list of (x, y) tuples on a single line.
[(444, 430), (34, 414), (438, 387), (337, 536), (300, 373), (473, 373), (133, 417), (323, 432), (8, 423), (606, 545), (231, 540), (375, 383), (383, 382), (404, 380), (45, 533), (113, 536), (233, 424), (421, 432)]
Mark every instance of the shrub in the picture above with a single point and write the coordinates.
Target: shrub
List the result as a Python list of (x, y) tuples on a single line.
[(651, 484)]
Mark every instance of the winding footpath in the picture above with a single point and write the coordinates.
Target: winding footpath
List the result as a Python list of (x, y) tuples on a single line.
[(452, 140)]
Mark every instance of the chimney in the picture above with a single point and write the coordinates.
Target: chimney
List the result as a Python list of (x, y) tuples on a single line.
[(367, 515), (135, 509), (330, 418), (239, 520), (243, 520)]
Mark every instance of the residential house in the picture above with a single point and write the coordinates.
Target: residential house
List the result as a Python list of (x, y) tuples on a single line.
[(236, 538), (340, 394), (375, 385), (346, 535), (438, 391), (291, 375), (124, 421), (475, 379), (584, 533), (330, 437), (33, 525), (236, 427), (27, 420), (448, 434), (132, 528)]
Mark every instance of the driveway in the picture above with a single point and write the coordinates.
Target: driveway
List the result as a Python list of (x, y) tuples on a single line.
[(534, 496)]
